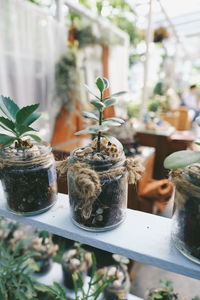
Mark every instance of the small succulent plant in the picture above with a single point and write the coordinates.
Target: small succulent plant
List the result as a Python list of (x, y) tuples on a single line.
[(100, 103), (164, 292), (184, 158), (17, 122)]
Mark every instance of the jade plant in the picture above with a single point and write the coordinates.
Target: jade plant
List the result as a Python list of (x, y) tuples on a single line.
[(184, 158), (16, 121), (100, 103)]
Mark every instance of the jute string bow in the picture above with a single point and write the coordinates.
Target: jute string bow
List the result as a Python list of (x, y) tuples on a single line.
[(88, 181)]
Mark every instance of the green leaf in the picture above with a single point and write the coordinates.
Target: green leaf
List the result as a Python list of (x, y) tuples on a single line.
[(100, 84), (197, 143), (35, 137), (5, 139), (32, 118), (110, 102), (7, 123), (9, 107), (89, 90), (93, 129), (181, 159), (118, 94), (21, 129), (106, 83), (111, 123), (118, 120), (99, 105), (25, 112), (89, 115)]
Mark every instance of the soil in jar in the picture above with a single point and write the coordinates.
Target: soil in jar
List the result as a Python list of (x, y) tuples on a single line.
[(30, 188), (109, 207)]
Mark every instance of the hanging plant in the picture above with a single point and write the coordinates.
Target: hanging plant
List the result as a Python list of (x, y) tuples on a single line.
[(67, 80), (160, 34)]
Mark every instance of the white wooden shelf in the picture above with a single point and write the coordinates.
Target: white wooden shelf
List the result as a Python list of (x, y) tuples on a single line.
[(142, 237)]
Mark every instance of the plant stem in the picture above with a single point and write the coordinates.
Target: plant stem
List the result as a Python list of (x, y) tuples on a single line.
[(100, 122)]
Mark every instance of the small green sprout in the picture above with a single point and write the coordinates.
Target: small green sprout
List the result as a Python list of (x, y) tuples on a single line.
[(100, 103)]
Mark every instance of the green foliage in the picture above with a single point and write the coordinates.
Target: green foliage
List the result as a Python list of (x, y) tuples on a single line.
[(66, 79), (165, 292), (181, 159), (16, 281), (100, 103), (94, 288), (133, 110), (17, 121)]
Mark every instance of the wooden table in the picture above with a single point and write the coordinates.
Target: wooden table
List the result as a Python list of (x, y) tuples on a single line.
[(164, 143)]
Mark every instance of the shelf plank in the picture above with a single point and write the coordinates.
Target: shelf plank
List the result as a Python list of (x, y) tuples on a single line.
[(142, 237)]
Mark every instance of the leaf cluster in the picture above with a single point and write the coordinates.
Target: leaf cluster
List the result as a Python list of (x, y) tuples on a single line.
[(17, 121), (100, 103), (94, 289), (166, 291), (16, 281)]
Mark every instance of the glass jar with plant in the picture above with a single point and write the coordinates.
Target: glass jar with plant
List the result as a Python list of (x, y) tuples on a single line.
[(46, 250), (27, 166), (185, 175), (119, 286), (164, 292), (97, 174), (75, 263)]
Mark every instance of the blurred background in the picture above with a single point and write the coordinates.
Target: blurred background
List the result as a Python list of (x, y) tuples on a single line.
[(149, 48)]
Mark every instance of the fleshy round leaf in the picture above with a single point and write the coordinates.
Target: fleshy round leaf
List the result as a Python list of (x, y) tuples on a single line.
[(25, 112), (106, 83), (181, 159), (100, 84), (9, 107), (93, 129), (110, 102), (89, 115), (98, 104), (118, 94), (117, 120), (111, 123)]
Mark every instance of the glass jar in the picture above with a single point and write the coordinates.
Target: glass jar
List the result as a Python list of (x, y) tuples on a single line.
[(186, 218), (29, 178), (108, 209), (118, 291), (73, 272)]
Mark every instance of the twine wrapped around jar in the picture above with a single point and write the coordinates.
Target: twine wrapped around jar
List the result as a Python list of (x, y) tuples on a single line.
[(88, 181)]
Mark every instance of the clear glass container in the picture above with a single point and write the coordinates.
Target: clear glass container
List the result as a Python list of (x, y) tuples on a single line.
[(186, 218), (29, 178), (109, 207)]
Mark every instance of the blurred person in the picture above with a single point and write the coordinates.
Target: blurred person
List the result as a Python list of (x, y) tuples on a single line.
[(191, 100)]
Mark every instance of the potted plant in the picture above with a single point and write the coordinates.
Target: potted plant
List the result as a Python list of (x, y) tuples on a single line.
[(45, 248), (27, 166), (95, 287), (17, 281), (164, 292), (97, 174), (185, 172), (75, 263), (119, 285)]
